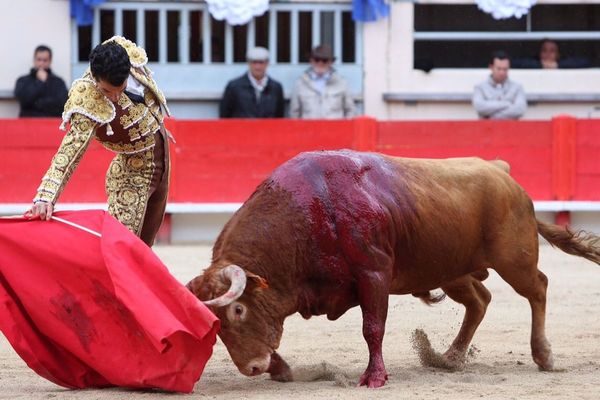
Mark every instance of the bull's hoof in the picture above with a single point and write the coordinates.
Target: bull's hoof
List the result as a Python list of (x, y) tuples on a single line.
[(373, 379), (279, 370), (542, 356), (451, 360), (283, 377), (546, 364)]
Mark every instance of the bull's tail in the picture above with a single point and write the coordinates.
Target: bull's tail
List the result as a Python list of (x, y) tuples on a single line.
[(580, 243)]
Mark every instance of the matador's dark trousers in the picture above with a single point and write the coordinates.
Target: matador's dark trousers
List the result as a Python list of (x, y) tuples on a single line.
[(137, 186)]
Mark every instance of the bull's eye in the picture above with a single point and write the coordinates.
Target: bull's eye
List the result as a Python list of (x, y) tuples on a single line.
[(236, 312)]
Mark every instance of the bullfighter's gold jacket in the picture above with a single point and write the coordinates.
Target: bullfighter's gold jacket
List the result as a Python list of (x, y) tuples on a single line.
[(125, 127)]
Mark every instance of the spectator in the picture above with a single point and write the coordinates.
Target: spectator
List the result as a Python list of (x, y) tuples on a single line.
[(254, 94), (321, 93), (118, 103), (498, 97), (549, 54), (549, 57), (41, 93)]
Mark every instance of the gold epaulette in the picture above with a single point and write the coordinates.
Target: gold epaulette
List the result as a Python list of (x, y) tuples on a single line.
[(137, 55), (86, 99), (144, 76)]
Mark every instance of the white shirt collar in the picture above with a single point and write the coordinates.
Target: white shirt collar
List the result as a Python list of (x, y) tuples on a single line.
[(258, 85), (134, 86)]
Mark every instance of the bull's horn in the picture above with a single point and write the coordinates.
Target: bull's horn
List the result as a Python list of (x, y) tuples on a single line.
[(237, 276)]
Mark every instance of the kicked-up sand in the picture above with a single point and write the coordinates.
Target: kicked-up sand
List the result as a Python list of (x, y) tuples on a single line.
[(328, 357)]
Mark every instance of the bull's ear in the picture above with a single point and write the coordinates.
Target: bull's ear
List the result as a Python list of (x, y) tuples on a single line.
[(194, 285), (259, 280), (200, 288)]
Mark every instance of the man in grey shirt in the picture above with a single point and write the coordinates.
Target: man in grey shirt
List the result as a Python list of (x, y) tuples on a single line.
[(498, 97)]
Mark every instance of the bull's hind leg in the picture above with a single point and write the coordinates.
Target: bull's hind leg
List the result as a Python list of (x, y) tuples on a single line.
[(470, 292), (531, 283)]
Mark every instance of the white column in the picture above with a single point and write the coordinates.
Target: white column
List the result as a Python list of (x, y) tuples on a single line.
[(118, 21), (206, 42), (140, 28), (228, 44), (96, 28), (294, 36), (251, 34), (358, 45), (316, 28), (184, 36), (162, 36), (74, 42), (273, 36), (337, 35)]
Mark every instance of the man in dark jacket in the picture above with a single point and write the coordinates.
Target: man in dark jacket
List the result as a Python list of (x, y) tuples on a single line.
[(41, 93), (254, 94)]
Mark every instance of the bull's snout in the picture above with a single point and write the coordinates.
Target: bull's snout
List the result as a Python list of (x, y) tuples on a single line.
[(256, 366)]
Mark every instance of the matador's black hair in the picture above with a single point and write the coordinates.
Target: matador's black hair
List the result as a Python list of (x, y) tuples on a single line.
[(110, 62)]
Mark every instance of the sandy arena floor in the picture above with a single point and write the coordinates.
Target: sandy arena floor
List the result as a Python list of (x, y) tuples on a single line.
[(329, 356)]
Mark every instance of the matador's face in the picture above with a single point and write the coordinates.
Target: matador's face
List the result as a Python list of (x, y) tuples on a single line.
[(113, 93)]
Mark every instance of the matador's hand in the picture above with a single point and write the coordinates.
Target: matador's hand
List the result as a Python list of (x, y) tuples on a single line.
[(41, 210)]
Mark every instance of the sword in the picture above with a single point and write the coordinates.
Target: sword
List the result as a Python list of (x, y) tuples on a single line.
[(64, 221)]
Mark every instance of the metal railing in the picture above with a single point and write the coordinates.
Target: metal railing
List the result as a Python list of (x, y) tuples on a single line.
[(330, 22)]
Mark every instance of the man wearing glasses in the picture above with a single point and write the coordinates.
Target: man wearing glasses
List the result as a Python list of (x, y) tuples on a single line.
[(254, 94), (321, 93)]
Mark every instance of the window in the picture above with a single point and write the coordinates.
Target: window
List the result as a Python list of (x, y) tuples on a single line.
[(184, 32), (462, 36), (192, 55)]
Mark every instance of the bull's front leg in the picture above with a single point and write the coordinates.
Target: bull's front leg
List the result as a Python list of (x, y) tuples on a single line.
[(373, 294)]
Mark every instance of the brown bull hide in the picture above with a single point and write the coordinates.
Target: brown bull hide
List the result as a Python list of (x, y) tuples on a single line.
[(332, 230)]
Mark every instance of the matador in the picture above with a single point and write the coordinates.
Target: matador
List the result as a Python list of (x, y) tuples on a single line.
[(126, 115)]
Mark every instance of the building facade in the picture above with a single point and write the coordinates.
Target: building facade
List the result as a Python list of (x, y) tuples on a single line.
[(421, 62)]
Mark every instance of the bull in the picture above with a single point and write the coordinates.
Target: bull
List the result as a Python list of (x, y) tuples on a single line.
[(331, 230)]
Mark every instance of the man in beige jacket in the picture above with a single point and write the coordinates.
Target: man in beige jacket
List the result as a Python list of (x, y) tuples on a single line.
[(321, 93)]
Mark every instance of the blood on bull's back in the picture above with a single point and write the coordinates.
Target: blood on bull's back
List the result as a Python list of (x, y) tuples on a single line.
[(346, 198)]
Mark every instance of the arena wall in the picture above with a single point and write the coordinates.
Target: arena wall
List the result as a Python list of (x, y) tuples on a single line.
[(217, 164)]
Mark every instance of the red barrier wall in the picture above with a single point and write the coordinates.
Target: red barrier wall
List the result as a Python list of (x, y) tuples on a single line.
[(224, 160), (587, 162), (25, 154), (525, 145)]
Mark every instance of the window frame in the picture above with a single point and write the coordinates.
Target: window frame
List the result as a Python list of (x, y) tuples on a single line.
[(528, 35), (204, 81)]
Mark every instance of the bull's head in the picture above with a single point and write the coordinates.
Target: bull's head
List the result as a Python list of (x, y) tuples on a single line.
[(250, 329)]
